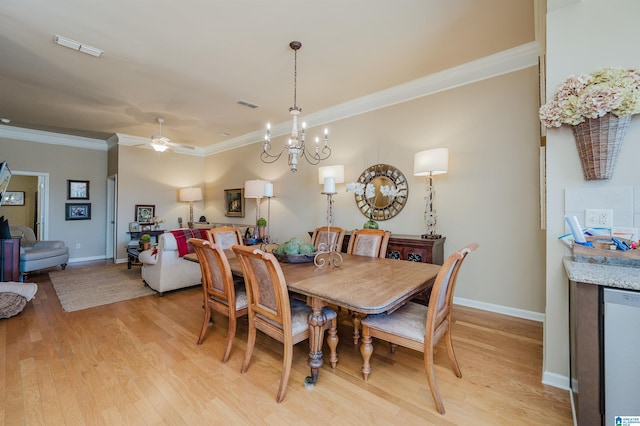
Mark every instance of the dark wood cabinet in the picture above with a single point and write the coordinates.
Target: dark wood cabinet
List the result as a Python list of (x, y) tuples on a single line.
[(412, 248), (10, 259), (585, 347)]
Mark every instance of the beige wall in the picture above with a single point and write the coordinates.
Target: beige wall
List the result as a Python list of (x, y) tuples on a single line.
[(63, 163), (580, 40), (490, 194), (153, 178)]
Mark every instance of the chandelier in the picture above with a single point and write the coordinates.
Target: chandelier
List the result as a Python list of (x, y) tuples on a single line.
[(295, 146)]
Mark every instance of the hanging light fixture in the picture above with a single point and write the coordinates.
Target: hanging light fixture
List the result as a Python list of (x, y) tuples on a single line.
[(295, 146)]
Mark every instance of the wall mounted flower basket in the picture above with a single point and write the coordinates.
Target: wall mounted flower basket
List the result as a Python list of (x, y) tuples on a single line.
[(598, 141), (598, 107)]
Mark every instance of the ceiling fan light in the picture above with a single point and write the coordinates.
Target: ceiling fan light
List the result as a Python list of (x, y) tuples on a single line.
[(159, 147)]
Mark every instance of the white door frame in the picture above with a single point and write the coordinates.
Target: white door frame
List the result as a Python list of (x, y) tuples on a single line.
[(112, 217), (42, 201)]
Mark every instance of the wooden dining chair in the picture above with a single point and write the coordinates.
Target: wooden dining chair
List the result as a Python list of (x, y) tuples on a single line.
[(272, 311), (219, 293), (419, 327), (225, 236), (371, 243), (330, 236)]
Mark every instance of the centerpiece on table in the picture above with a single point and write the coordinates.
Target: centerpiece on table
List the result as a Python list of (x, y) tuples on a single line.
[(295, 251), (598, 107)]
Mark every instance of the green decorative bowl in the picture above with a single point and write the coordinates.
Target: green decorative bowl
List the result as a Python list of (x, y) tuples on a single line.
[(295, 258)]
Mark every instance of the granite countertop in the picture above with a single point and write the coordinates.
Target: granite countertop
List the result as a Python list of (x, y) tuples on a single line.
[(625, 277)]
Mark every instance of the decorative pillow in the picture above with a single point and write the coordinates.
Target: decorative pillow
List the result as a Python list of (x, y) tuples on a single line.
[(11, 304), (182, 235), (5, 232), (201, 233)]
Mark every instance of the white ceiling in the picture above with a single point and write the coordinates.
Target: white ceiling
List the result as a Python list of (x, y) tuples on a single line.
[(190, 61)]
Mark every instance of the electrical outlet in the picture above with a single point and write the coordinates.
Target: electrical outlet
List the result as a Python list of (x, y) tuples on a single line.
[(598, 218), (78, 245)]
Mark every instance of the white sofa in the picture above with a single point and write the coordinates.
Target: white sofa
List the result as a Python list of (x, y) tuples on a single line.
[(165, 270)]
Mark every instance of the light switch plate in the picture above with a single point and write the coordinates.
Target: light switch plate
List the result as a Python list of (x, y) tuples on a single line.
[(598, 218)]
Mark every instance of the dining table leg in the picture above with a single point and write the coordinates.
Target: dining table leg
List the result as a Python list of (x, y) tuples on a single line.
[(317, 321)]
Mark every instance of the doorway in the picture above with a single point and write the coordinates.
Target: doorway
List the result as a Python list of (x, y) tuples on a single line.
[(35, 211)]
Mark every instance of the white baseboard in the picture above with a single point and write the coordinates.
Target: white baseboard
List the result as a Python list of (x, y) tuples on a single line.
[(86, 259), (499, 309), (555, 380)]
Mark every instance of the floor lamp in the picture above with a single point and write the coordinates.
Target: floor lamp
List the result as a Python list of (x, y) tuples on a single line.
[(428, 163), (190, 195)]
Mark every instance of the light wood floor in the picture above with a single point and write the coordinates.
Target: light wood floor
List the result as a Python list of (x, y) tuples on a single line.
[(137, 362)]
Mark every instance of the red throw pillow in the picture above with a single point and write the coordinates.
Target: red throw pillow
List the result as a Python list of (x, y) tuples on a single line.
[(182, 235)]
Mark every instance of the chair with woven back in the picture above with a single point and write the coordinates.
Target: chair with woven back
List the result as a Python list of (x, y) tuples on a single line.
[(219, 293), (225, 236), (272, 311), (371, 243), (328, 237), (420, 327)]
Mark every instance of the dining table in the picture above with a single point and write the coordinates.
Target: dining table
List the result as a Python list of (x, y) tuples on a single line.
[(366, 285)]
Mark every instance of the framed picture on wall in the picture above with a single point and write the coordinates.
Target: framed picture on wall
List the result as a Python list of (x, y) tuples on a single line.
[(77, 211), (77, 189), (13, 198), (234, 202), (145, 213)]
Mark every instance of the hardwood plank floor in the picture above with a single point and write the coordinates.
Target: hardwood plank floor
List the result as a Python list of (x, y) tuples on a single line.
[(137, 362)]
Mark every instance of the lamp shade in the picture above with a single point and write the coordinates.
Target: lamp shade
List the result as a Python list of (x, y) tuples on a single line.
[(256, 188), (432, 161), (190, 194), (336, 172)]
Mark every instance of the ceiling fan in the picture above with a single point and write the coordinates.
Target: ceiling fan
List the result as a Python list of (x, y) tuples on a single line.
[(162, 143)]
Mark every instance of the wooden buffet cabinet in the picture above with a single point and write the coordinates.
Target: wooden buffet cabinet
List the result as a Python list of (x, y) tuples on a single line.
[(412, 248)]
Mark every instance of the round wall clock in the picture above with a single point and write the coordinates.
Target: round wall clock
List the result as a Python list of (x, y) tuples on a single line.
[(384, 207)]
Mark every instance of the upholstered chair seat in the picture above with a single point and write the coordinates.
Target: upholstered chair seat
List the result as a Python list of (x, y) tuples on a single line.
[(418, 327)]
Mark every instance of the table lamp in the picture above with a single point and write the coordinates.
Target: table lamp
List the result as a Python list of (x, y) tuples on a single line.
[(428, 163), (190, 195)]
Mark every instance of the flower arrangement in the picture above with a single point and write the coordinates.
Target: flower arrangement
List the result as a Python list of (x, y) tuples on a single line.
[(589, 96), (157, 220), (369, 191)]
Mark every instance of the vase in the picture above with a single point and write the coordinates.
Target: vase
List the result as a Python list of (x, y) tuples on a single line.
[(598, 141), (370, 224)]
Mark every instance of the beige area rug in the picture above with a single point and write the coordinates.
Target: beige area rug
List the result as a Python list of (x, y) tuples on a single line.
[(85, 288)]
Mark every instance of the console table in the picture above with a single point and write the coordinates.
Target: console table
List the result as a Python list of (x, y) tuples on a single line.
[(154, 234)]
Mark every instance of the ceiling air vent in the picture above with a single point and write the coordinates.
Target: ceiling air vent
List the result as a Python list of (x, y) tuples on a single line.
[(247, 104)]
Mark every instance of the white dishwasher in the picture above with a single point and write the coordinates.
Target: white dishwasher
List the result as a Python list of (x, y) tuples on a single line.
[(622, 356)]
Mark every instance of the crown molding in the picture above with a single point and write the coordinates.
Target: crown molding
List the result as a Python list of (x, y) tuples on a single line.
[(51, 138), (507, 61)]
